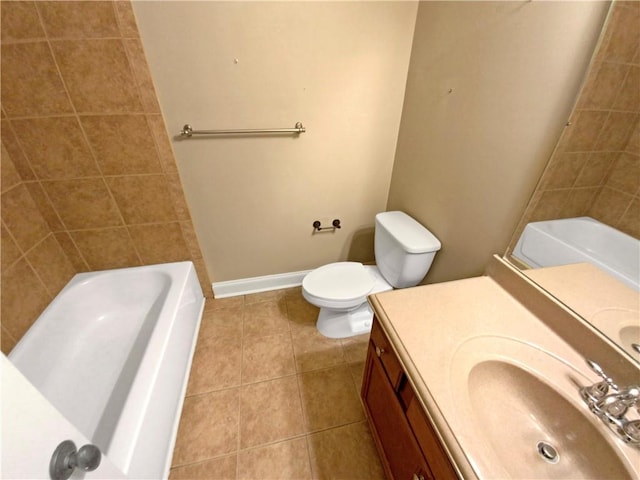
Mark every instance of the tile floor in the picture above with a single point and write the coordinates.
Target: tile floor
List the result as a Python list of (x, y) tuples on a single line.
[(271, 398)]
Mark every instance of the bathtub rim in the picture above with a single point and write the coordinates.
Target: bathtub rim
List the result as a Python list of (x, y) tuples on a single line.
[(541, 229)]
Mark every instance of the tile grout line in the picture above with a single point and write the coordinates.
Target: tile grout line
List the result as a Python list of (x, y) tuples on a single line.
[(239, 429), (304, 416)]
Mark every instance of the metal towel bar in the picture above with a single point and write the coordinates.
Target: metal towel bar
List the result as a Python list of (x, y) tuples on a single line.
[(187, 131)]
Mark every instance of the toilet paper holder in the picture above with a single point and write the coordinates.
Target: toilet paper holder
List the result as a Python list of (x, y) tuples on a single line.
[(317, 225)]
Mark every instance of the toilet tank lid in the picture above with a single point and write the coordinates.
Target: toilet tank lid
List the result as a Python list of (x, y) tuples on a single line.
[(413, 236)]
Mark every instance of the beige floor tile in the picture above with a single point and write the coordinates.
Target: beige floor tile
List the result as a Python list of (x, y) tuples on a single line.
[(222, 322), (357, 373), (302, 315), (208, 427), (222, 468), (216, 365), (345, 453), (271, 336), (266, 318), (265, 358), (329, 398), (270, 411), (216, 303), (313, 351), (287, 460), (355, 348), (293, 292), (271, 296)]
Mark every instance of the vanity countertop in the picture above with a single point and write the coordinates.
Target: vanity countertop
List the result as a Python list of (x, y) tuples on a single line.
[(429, 326), (606, 303), (585, 288)]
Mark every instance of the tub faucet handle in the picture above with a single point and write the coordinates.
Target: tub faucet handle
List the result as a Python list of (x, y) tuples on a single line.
[(66, 459)]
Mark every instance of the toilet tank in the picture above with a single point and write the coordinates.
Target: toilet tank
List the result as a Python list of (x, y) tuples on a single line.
[(404, 249)]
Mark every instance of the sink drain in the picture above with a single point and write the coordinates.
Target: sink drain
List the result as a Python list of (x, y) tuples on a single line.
[(548, 452)]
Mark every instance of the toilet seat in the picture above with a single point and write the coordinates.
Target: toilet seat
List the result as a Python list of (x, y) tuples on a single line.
[(340, 285)]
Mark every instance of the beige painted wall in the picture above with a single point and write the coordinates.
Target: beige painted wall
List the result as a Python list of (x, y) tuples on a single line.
[(338, 67), (467, 161)]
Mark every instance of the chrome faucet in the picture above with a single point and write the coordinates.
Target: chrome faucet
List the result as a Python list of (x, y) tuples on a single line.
[(612, 404)]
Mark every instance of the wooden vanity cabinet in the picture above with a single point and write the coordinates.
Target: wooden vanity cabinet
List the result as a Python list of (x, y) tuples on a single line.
[(406, 442)]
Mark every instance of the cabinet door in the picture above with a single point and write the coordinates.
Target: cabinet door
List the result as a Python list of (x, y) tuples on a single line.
[(429, 444), (386, 355), (402, 456)]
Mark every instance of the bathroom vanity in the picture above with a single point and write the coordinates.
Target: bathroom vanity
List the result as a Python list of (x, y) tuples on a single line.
[(482, 378), (403, 435)]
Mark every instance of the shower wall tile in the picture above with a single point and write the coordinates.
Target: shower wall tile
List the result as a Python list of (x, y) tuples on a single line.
[(106, 248), (160, 243), (87, 163), (51, 264), (625, 175), (625, 35), (9, 176), (22, 218), (122, 144), (596, 169), (71, 19), (616, 132), (7, 341), (56, 147), (126, 19), (179, 201), (13, 148), (582, 134), (191, 240), (71, 251), (83, 203), (634, 140), (602, 88), (23, 298), (143, 198), (579, 202), (610, 205), (44, 205), (630, 221), (203, 276), (84, 65), (10, 251), (142, 75), (565, 169), (165, 152), (19, 21), (31, 84), (629, 96)]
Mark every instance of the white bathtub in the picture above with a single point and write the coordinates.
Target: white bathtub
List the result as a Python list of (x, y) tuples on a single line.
[(112, 353), (582, 239)]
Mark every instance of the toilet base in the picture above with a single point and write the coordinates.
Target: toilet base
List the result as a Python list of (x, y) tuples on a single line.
[(334, 324)]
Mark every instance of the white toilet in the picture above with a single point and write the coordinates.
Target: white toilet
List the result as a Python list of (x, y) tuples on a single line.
[(404, 250)]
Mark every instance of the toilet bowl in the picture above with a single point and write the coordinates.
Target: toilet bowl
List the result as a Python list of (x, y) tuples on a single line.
[(340, 290), (404, 251)]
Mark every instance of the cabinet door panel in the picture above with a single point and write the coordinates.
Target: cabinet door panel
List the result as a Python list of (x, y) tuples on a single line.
[(390, 425), (429, 443), (385, 353)]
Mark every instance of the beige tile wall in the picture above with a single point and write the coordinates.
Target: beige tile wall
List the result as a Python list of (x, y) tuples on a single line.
[(89, 180), (595, 169)]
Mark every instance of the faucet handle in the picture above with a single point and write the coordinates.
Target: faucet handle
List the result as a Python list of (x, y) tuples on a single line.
[(598, 370), (632, 431)]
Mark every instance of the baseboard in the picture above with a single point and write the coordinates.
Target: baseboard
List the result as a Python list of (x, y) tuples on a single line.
[(245, 286)]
